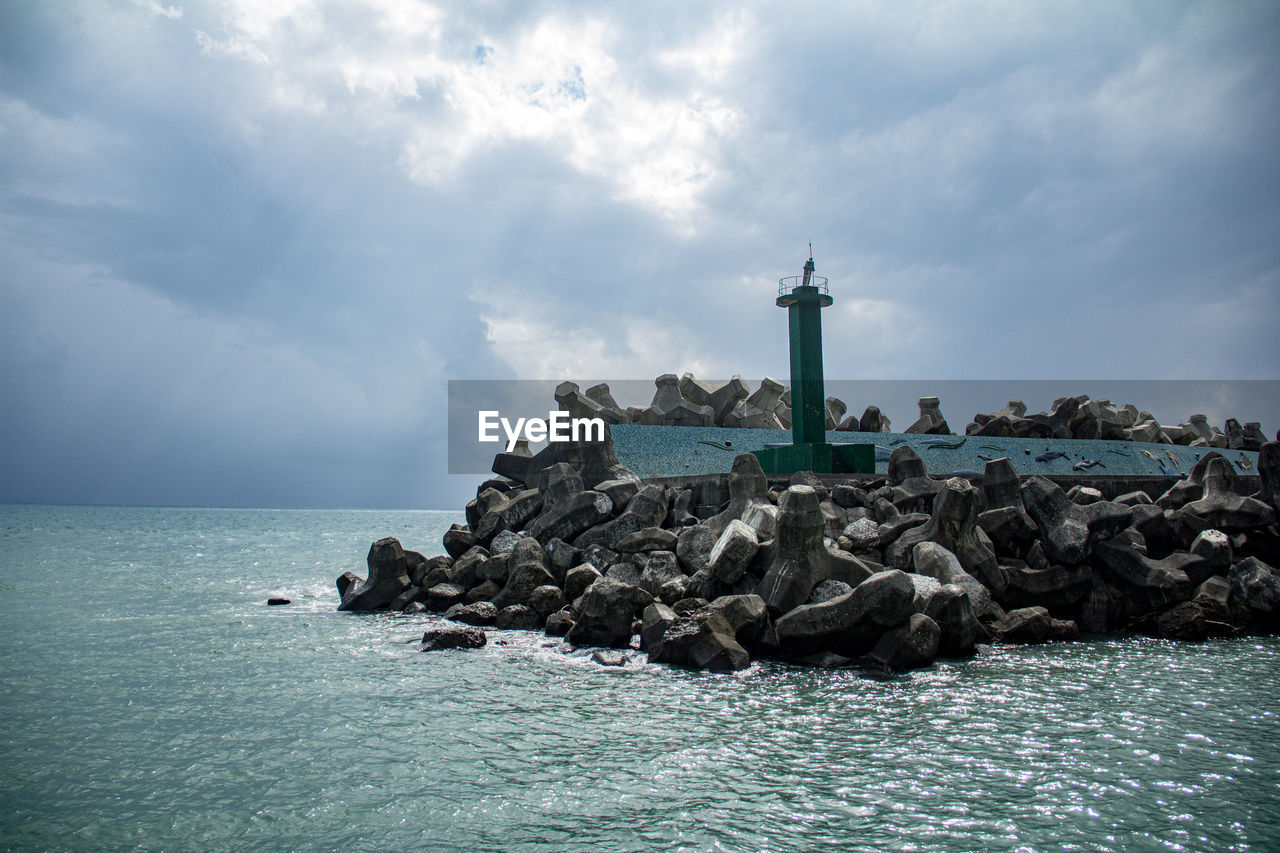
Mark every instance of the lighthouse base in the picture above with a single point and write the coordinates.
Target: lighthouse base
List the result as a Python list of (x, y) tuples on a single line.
[(818, 457)]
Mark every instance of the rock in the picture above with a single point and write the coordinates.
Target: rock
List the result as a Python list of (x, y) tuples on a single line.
[(1068, 531), (1256, 585), (930, 417), (1151, 585), (1269, 474), (466, 568), (1214, 598), (653, 624), (458, 540), (849, 624), (627, 571), (680, 512), (1084, 495), (906, 474), (732, 552), (746, 616), (726, 398), (954, 525), (572, 515), (1185, 621), (1100, 611), (503, 543), (1134, 499), (485, 591), (1027, 625), (411, 595), (701, 641), (1215, 547), (908, 646), (1054, 587), (559, 623), (596, 461), (601, 395), (799, 561), (606, 657), (480, 613), (693, 547), (863, 535), (933, 560), (276, 602), (925, 589), (605, 611), (1224, 509), (346, 581), (828, 590), (670, 408), (647, 509), (660, 568), (577, 579), (685, 606), (442, 596), (951, 609), (388, 577), (647, 539), (675, 589), (619, 491), (527, 570), (517, 617), (450, 636), (1001, 485), (545, 600)]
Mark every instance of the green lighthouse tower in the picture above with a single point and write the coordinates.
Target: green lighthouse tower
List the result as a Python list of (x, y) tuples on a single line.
[(804, 296)]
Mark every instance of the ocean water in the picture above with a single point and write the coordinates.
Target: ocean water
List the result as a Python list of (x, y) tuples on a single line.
[(149, 699)]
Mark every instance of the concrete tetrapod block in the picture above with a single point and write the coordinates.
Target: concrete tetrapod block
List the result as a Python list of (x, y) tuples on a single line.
[(725, 398), (1222, 506), (595, 460), (849, 624), (647, 509), (388, 577), (1069, 530), (954, 525)]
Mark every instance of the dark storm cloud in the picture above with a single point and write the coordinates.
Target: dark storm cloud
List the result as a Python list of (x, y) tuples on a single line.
[(245, 245)]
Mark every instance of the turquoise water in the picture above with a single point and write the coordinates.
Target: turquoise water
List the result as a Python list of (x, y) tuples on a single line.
[(149, 699)]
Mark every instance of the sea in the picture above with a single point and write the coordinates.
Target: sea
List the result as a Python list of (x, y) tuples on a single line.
[(150, 699)]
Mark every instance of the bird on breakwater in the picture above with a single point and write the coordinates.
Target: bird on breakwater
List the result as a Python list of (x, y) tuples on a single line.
[(943, 444), (1086, 464), (1050, 454)]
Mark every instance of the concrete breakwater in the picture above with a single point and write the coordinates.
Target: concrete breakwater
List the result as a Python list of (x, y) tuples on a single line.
[(887, 572), (687, 402)]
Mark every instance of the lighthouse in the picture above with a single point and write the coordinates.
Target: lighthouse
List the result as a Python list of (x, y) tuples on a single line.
[(804, 296)]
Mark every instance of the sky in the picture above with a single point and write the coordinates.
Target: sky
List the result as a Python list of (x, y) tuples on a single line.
[(245, 245)]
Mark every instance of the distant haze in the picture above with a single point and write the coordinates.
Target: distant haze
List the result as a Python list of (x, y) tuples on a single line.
[(244, 245)]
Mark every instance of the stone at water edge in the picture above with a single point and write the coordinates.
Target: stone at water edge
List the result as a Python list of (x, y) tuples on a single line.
[(276, 602), (451, 636)]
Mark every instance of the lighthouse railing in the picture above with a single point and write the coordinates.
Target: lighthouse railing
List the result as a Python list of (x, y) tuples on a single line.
[(791, 282)]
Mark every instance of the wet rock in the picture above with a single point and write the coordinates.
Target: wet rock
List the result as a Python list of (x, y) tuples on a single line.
[(411, 595), (654, 622), (1069, 531), (605, 611), (517, 617), (277, 602), (1100, 611), (388, 577), (480, 613), (908, 646), (466, 568), (451, 636), (828, 590), (700, 640), (852, 622), (1027, 625), (559, 623), (1185, 621), (578, 513), (1214, 598), (607, 657), (346, 581), (952, 611), (442, 596), (647, 539), (746, 616)]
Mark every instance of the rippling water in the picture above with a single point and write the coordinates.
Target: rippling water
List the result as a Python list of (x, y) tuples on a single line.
[(150, 699)]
